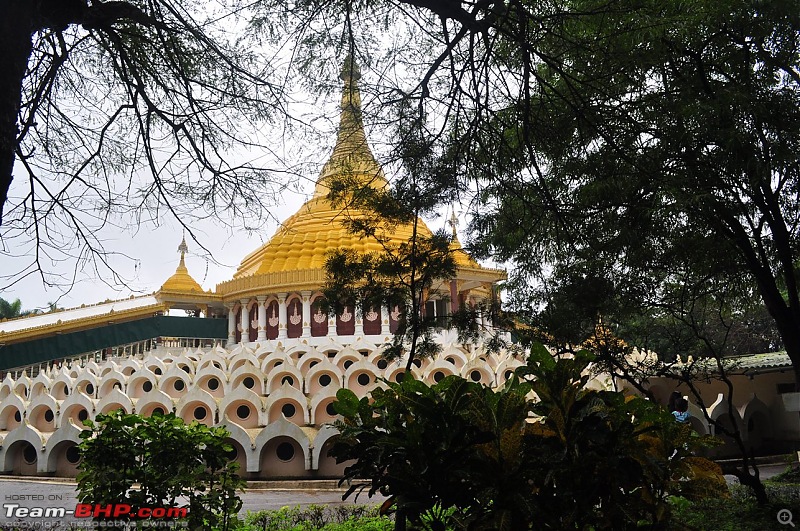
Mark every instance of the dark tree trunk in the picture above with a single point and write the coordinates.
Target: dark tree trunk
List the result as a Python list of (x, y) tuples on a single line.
[(15, 49)]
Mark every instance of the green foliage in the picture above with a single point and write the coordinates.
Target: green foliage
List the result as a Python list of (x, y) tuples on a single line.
[(461, 454), (170, 461), (740, 512), (9, 310), (317, 517)]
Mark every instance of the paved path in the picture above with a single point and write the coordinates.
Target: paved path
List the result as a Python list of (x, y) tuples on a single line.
[(28, 493)]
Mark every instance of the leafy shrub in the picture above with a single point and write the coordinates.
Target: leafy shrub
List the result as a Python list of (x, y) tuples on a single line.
[(317, 517), (460, 454), (169, 460)]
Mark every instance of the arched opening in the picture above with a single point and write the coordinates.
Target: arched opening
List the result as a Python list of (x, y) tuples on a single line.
[(319, 319), (282, 457), (294, 318), (327, 464)]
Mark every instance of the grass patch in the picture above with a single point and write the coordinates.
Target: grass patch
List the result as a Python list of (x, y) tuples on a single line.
[(740, 512), (316, 518)]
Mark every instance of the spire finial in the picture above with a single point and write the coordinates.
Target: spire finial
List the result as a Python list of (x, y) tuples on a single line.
[(183, 248), (351, 72), (351, 152), (453, 223)]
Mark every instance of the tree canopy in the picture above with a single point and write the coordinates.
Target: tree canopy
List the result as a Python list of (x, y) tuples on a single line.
[(646, 151), (121, 112)]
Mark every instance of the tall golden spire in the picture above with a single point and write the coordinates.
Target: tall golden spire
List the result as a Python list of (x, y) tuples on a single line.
[(351, 154)]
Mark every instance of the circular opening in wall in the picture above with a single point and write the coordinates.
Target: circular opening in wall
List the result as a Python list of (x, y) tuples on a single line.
[(347, 364), (200, 413), (48, 416), (438, 376), (278, 363), (233, 454), (83, 415), (418, 363), (475, 376), (89, 389), (325, 380), (18, 416), (29, 454), (243, 412), (287, 380), (217, 365), (66, 390), (73, 455), (117, 385), (310, 365), (364, 379), (451, 360), (399, 377), (186, 369), (157, 371), (382, 364), (147, 386), (179, 385), (158, 411), (509, 374), (249, 382), (288, 410), (213, 384), (330, 410), (285, 451)]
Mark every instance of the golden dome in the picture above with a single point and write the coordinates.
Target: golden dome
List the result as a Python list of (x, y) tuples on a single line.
[(182, 281), (303, 240)]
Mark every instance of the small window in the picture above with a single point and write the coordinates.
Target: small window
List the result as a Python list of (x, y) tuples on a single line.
[(382, 364), (475, 376), (249, 382), (157, 371), (311, 365), (147, 386), (509, 374), (200, 413), (29, 454), (179, 385), (73, 455), (158, 411), (364, 379), (48, 416), (438, 376), (288, 410), (83, 415), (285, 451), (233, 454), (347, 364), (417, 363), (89, 389), (450, 360), (186, 369), (287, 380), (399, 377), (330, 410), (213, 384), (325, 380), (18, 416), (243, 411)]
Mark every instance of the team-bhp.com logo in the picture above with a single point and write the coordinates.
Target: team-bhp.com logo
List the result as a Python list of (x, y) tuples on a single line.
[(116, 511)]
